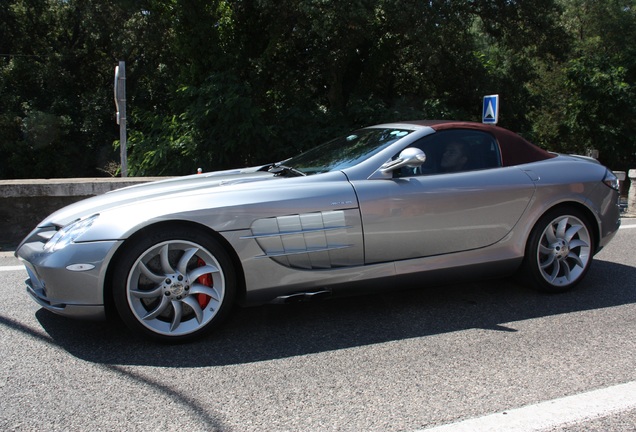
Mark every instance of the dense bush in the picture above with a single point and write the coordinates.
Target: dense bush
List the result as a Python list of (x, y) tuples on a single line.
[(220, 83)]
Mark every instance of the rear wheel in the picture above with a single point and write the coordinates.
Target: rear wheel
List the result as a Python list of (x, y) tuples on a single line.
[(559, 251), (174, 285)]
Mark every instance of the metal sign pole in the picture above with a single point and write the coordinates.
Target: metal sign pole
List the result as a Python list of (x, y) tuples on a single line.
[(120, 103)]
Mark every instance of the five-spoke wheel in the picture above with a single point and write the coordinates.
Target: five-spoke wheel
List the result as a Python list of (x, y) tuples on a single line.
[(173, 285)]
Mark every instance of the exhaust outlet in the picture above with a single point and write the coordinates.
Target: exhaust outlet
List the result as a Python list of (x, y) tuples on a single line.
[(301, 297)]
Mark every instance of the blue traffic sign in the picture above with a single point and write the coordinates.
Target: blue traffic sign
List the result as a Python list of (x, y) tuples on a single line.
[(490, 111)]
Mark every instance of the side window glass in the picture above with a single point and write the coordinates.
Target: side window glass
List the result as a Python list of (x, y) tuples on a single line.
[(456, 151)]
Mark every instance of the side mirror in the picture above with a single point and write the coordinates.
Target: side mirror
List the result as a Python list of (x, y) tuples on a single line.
[(411, 157)]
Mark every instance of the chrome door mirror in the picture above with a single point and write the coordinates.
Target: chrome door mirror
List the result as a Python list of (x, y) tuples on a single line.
[(411, 157)]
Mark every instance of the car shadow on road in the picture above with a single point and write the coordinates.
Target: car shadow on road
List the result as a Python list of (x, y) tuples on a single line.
[(279, 331)]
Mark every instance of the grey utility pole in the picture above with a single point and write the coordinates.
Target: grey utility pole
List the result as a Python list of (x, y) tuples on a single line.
[(120, 103)]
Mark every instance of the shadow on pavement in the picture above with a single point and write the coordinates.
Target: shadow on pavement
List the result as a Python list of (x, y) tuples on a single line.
[(272, 332)]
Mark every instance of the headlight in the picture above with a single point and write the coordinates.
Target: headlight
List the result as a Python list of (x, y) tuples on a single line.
[(611, 180), (69, 233)]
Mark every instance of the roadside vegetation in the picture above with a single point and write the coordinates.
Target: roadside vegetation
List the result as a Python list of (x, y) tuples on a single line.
[(225, 83)]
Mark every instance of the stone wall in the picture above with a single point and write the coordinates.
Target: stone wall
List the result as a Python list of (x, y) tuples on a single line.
[(25, 203)]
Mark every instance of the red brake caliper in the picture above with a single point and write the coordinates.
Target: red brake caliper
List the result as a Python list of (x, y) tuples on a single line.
[(206, 280)]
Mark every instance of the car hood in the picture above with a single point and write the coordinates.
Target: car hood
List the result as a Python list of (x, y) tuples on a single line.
[(155, 190)]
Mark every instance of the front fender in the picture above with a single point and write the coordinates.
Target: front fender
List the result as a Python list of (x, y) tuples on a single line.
[(229, 208)]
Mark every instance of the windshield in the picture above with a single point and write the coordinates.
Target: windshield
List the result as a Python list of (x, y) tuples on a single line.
[(346, 151)]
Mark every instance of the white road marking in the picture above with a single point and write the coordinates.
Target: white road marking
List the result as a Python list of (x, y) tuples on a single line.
[(550, 414), (11, 268), (627, 226)]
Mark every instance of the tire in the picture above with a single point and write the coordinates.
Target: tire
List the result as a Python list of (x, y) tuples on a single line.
[(559, 251), (174, 285)]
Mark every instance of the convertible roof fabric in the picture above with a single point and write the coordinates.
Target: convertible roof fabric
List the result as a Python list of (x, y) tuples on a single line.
[(515, 150)]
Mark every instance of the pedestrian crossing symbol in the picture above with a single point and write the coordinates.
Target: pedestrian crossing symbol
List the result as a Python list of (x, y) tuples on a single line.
[(490, 112)]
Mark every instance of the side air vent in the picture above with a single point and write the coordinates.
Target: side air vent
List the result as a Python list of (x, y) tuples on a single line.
[(318, 240)]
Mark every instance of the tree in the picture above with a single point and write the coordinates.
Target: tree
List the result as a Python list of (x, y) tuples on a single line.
[(56, 77), (221, 83), (50, 112), (587, 98)]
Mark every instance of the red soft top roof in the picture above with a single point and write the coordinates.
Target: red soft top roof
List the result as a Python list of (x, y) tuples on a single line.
[(515, 150)]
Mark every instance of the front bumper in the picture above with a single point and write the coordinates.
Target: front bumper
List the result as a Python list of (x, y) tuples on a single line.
[(69, 281), (610, 216), (97, 312)]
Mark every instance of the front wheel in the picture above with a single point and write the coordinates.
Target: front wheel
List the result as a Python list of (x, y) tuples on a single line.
[(559, 251), (174, 285)]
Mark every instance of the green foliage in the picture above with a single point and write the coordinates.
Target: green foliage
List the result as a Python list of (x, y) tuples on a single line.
[(52, 83), (224, 83), (587, 99)]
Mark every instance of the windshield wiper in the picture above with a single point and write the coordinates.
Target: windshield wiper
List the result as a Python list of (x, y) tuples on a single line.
[(281, 170)]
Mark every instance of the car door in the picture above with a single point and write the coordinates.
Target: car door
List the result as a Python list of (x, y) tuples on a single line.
[(430, 211)]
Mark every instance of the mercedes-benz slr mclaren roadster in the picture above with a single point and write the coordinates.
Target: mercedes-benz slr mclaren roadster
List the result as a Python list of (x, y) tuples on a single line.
[(421, 202)]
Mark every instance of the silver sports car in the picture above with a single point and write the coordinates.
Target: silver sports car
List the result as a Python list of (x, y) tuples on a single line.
[(402, 204)]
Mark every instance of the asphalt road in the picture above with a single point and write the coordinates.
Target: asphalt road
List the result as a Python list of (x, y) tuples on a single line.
[(462, 356)]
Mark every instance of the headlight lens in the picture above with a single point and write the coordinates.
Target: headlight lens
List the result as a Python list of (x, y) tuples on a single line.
[(69, 233), (611, 180)]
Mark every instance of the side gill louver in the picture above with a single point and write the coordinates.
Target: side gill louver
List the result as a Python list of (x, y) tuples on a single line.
[(319, 240)]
